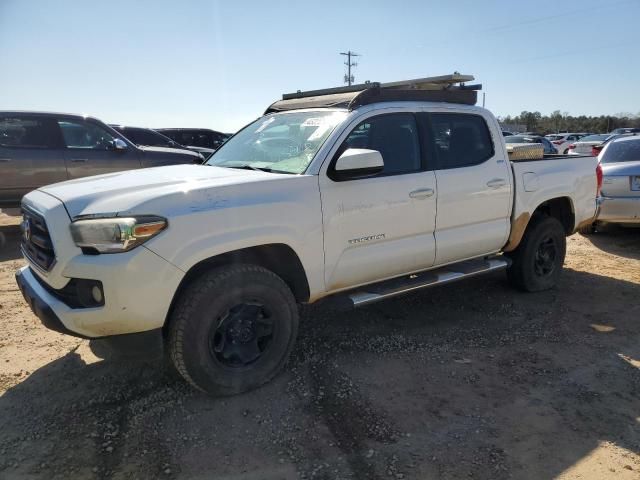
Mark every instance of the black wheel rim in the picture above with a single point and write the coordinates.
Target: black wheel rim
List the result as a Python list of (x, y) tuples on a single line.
[(242, 335), (545, 258)]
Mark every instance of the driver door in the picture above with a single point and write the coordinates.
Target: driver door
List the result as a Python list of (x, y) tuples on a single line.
[(89, 150), (383, 225)]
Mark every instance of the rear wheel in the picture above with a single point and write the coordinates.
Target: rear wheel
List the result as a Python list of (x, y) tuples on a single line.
[(537, 262), (233, 329)]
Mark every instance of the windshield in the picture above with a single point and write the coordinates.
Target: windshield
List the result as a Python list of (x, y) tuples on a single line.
[(282, 142), (555, 137), (622, 151), (143, 137), (519, 139), (594, 138)]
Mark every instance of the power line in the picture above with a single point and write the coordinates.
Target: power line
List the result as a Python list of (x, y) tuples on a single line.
[(348, 78)]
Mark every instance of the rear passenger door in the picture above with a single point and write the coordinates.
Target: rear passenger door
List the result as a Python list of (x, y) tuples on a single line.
[(31, 155), (474, 187), (90, 149)]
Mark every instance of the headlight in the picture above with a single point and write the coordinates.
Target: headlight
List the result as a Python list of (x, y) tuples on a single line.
[(113, 235)]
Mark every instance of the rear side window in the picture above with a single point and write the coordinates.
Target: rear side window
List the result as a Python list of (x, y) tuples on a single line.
[(394, 136), (27, 132), (461, 139), (622, 151)]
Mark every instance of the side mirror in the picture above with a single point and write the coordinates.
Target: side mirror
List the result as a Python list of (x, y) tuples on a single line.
[(358, 163), (119, 144)]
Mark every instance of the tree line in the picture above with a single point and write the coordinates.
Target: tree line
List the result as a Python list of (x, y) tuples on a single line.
[(562, 121)]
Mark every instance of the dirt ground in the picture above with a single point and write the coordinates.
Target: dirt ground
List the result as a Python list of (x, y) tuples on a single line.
[(470, 380)]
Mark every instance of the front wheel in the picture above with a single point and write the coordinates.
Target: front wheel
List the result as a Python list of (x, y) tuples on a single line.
[(233, 329), (537, 262)]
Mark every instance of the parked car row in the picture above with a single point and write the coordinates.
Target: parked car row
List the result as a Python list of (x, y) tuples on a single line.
[(38, 148)]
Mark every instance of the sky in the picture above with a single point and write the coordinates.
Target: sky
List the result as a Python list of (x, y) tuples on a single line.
[(219, 64)]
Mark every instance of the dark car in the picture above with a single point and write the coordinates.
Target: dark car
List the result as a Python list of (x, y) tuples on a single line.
[(200, 140), (548, 146), (38, 148), (145, 137)]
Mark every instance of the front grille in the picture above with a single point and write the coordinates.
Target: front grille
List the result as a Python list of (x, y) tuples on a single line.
[(36, 243)]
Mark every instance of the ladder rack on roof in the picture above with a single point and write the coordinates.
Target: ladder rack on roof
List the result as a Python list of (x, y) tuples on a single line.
[(443, 88)]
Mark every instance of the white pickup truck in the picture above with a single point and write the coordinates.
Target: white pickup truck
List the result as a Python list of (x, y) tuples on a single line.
[(361, 193)]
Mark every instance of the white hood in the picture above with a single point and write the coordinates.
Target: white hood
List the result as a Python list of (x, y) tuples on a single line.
[(134, 190)]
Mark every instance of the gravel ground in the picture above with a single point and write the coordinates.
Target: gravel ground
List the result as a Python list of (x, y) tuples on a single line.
[(470, 380)]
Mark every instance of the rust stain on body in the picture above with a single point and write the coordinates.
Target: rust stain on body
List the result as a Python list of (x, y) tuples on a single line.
[(517, 231)]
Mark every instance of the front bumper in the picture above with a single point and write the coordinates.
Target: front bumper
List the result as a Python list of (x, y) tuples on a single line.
[(619, 210), (40, 302), (138, 285), (138, 289)]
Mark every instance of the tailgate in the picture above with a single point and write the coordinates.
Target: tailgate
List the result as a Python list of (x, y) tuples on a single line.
[(621, 180)]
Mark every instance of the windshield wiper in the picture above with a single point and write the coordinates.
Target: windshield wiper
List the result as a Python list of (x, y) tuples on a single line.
[(251, 167)]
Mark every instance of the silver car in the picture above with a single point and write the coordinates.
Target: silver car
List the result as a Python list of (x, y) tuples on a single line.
[(620, 195)]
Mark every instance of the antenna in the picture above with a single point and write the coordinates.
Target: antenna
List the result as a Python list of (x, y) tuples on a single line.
[(349, 78)]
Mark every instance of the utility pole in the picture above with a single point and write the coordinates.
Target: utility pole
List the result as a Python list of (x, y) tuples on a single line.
[(483, 98), (348, 78)]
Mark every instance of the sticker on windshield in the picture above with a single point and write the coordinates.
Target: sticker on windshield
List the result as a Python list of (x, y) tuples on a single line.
[(265, 124), (313, 122)]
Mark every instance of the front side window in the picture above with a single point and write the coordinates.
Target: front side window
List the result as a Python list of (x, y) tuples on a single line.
[(395, 136), (26, 132), (461, 139), (282, 142), (85, 136)]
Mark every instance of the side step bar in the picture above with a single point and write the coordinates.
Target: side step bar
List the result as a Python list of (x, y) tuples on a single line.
[(447, 274)]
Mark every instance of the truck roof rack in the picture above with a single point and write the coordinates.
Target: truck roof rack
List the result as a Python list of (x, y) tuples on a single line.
[(443, 88)]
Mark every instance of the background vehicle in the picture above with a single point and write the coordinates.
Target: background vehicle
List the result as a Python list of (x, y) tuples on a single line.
[(145, 137), (585, 146), (562, 141), (41, 148), (618, 131), (360, 195), (620, 195), (549, 148), (200, 140), (506, 134), (596, 149)]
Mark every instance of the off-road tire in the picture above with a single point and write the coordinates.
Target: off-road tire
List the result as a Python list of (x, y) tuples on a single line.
[(523, 272), (199, 309)]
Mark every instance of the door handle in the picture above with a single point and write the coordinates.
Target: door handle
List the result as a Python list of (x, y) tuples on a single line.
[(5, 160), (422, 193), (496, 183), (79, 160)]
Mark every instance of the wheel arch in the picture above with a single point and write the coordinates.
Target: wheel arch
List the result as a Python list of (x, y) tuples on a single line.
[(560, 208), (279, 258)]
